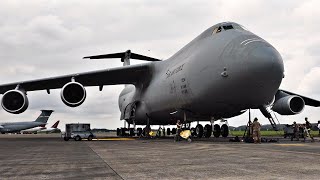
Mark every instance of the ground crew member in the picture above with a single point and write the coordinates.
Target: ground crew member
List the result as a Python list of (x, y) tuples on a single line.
[(295, 131), (147, 131), (179, 129), (256, 126), (308, 127)]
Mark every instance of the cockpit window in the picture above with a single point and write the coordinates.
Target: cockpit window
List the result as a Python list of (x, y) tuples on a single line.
[(227, 27), (217, 30), (220, 28)]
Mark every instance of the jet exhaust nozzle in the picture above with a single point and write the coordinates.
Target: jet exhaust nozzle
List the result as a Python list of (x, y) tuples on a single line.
[(15, 101), (289, 105), (73, 94)]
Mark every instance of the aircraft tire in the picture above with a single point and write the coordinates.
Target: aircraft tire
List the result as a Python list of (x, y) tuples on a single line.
[(207, 130), (199, 130), (124, 131), (139, 131), (224, 130), (131, 131), (216, 130), (118, 132), (193, 132), (174, 131), (168, 131)]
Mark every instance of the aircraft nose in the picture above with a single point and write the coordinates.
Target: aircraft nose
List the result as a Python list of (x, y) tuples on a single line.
[(264, 73), (265, 64)]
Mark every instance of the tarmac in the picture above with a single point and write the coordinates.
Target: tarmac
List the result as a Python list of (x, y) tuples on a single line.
[(44, 156)]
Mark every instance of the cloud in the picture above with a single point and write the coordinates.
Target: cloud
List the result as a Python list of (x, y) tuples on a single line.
[(310, 84), (48, 38)]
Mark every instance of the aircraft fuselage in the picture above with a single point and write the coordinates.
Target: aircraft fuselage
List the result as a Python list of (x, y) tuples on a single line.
[(217, 75)]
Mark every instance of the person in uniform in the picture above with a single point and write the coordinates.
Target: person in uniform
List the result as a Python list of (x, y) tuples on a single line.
[(308, 127), (179, 129), (295, 131), (256, 126)]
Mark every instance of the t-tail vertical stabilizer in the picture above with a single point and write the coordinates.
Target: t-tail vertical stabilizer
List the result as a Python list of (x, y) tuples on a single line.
[(44, 116), (55, 125)]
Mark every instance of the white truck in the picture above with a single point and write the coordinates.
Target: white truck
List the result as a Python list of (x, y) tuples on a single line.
[(78, 132)]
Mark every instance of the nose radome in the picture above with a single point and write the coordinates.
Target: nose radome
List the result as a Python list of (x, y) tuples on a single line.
[(266, 63)]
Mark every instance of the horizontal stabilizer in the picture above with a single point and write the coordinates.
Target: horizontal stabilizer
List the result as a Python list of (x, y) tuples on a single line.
[(123, 55)]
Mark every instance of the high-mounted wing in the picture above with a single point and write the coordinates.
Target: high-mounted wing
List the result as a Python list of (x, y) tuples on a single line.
[(121, 75), (73, 93), (308, 101)]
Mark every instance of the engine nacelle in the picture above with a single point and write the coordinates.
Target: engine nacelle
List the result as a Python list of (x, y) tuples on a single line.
[(15, 101), (288, 105), (73, 94)]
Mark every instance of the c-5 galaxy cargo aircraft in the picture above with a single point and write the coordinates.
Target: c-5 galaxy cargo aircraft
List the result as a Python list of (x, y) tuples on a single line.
[(220, 74), (19, 126)]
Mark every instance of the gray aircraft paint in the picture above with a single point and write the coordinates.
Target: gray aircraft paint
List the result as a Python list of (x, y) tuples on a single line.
[(217, 75), (18, 126)]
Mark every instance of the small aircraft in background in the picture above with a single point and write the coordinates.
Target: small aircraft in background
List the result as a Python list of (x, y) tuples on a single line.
[(16, 127), (53, 128), (44, 129)]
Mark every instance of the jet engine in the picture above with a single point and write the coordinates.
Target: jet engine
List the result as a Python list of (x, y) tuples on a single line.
[(73, 94), (15, 101), (288, 105)]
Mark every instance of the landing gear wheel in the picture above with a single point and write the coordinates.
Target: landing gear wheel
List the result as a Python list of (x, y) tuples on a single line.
[(118, 132), (193, 132), (139, 131), (224, 130), (168, 131), (207, 130), (132, 132), (199, 130), (123, 131), (216, 130), (174, 131)]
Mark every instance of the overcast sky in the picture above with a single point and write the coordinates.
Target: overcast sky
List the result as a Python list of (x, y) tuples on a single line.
[(48, 38)]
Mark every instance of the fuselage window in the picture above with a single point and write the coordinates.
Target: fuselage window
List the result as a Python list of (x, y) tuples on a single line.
[(227, 27)]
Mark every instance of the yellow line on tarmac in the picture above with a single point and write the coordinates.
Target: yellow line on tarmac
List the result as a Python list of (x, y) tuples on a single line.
[(291, 144), (114, 139)]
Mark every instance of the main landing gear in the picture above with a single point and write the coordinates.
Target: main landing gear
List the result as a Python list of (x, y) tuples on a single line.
[(199, 131), (129, 132), (206, 131)]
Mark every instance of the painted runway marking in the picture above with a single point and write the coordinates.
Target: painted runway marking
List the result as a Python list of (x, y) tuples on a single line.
[(290, 144), (114, 139)]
